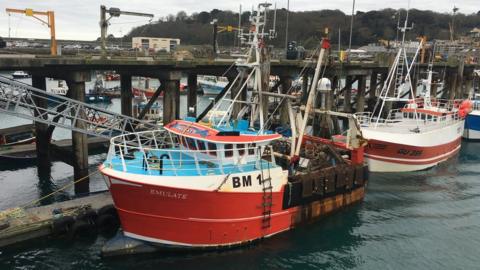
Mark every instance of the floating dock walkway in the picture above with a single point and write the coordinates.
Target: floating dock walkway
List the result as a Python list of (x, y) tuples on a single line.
[(68, 217)]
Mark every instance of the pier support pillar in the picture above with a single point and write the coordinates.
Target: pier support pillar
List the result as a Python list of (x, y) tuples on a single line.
[(42, 134), (76, 84), (414, 87), (286, 82), (450, 84), (459, 85), (347, 97), (126, 94), (372, 91), (305, 88), (362, 83), (332, 104), (192, 95), (469, 87), (171, 100)]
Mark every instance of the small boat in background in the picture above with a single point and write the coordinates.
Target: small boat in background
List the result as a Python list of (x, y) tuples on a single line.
[(154, 114), (23, 134), (20, 74), (144, 91), (212, 85), (112, 76), (472, 121), (61, 89)]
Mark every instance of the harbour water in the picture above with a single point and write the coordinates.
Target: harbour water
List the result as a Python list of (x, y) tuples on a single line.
[(422, 220)]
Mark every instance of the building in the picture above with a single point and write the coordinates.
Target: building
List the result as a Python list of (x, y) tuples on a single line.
[(156, 44)]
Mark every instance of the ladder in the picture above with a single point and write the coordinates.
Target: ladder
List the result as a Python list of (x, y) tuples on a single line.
[(23, 100), (399, 75), (267, 197)]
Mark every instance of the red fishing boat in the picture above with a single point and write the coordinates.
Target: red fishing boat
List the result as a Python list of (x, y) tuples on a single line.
[(227, 183)]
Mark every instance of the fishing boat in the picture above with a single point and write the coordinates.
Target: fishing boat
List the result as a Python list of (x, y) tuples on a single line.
[(24, 134), (415, 134), (143, 90), (212, 85), (232, 181), (153, 114), (472, 121), (20, 74)]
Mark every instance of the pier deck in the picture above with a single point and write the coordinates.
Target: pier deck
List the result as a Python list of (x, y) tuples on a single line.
[(29, 223)]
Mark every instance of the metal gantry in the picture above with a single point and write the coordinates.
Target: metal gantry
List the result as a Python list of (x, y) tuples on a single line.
[(25, 101)]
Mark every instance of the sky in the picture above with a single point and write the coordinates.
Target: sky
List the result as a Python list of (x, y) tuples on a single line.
[(79, 19)]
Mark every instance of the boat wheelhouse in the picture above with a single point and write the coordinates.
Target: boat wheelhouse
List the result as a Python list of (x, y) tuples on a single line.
[(23, 134)]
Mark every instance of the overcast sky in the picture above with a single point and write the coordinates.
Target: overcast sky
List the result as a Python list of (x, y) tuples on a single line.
[(78, 19)]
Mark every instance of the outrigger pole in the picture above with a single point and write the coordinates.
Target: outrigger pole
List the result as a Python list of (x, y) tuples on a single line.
[(324, 44)]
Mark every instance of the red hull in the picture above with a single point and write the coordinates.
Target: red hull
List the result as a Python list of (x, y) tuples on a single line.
[(192, 218), (206, 218), (408, 154)]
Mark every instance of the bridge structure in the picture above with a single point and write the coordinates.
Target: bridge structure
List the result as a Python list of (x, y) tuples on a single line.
[(32, 102)]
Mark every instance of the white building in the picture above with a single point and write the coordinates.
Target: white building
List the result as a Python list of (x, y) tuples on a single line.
[(156, 44)]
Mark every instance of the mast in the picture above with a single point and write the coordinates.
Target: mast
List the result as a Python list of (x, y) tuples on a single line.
[(324, 44), (252, 65)]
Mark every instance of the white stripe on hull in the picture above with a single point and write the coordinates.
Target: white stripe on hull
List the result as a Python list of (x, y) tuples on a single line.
[(471, 134)]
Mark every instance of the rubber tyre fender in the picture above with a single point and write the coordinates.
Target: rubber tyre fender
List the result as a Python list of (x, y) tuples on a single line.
[(80, 227), (88, 216), (107, 221), (108, 209), (62, 225)]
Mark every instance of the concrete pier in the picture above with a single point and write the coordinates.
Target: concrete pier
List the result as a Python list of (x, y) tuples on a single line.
[(286, 83), (362, 83), (192, 95), (41, 132), (76, 83), (171, 101), (347, 97), (126, 94)]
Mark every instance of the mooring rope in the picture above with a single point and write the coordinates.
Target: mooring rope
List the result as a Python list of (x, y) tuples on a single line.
[(33, 202)]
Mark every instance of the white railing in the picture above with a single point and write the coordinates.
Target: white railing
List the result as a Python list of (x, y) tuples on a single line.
[(162, 153), (416, 118)]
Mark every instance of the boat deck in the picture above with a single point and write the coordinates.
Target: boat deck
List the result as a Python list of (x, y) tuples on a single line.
[(177, 163)]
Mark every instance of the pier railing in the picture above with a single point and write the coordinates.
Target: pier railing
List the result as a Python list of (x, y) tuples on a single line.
[(28, 102), (162, 153)]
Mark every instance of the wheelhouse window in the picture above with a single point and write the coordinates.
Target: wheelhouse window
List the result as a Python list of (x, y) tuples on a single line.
[(228, 150), (251, 149), (241, 149), (191, 144), (201, 145), (212, 149)]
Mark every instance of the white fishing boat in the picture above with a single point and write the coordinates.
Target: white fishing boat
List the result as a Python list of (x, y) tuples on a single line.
[(419, 133), (212, 85), (20, 74)]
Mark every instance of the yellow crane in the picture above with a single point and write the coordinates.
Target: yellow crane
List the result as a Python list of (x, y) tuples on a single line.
[(50, 22)]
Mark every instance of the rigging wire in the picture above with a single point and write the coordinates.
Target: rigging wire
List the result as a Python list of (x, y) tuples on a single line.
[(268, 122)]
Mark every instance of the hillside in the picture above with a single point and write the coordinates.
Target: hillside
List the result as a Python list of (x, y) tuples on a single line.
[(305, 27)]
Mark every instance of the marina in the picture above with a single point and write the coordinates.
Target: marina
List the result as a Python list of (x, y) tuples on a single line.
[(312, 156)]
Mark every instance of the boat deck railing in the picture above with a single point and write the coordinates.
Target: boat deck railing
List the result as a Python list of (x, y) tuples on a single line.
[(162, 153), (411, 120)]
